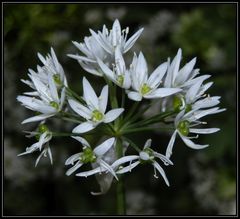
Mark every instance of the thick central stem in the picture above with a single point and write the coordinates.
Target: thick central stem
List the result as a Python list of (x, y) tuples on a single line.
[(121, 205)]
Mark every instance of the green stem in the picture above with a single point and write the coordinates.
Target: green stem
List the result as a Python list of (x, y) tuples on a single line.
[(121, 205)]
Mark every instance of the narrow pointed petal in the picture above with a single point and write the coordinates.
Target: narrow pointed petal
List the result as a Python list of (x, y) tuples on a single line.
[(161, 171), (170, 145), (148, 143), (80, 109), (83, 127), (123, 160), (74, 168), (72, 159), (116, 33), (141, 69), (107, 167), (134, 96), (204, 131), (37, 118), (104, 147), (112, 115), (176, 66), (192, 92), (53, 88), (103, 99), (89, 94), (185, 72), (90, 172), (106, 70), (128, 168), (191, 144), (162, 92), (81, 58), (130, 42), (156, 77), (163, 158)]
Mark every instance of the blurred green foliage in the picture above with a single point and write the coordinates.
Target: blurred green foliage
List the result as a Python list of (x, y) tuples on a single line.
[(207, 31)]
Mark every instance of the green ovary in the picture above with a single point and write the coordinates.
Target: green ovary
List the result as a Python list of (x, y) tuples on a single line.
[(57, 79), (177, 103), (54, 104), (149, 151), (145, 89), (183, 127), (97, 116), (120, 79), (88, 156)]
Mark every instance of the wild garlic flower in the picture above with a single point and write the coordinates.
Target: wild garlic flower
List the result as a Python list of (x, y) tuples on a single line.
[(110, 39), (119, 75), (184, 125), (92, 156), (92, 50), (146, 156), (95, 110), (51, 66), (145, 86), (43, 142), (184, 77), (195, 98), (47, 101)]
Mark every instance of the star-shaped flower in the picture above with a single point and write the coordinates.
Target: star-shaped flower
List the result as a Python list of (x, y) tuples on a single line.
[(95, 111)]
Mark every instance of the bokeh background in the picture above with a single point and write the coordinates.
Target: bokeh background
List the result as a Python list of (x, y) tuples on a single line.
[(202, 182)]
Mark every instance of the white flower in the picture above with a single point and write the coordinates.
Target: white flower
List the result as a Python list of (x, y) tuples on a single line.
[(94, 113), (145, 86), (44, 139), (119, 75), (194, 98), (49, 102), (184, 124), (50, 66), (91, 156), (145, 156), (92, 50), (184, 77), (109, 40)]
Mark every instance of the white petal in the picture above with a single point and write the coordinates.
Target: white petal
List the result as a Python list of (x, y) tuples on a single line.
[(141, 69), (83, 127), (134, 96), (124, 160), (104, 147), (176, 62), (128, 168), (62, 98), (112, 115), (170, 145), (73, 159), (192, 92), (81, 58), (90, 68), (82, 141), (90, 172), (163, 158), (80, 109), (74, 168), (127, 80), (37, 118), (156, 77), (161, 92), (106, 70), (204, 131), (116, 33), (105, 165), (103, 99), (184, 73), (53, 88), (132, 40), (148, 143), (89, 94), (161, 171), (191, 144), (50, 155)]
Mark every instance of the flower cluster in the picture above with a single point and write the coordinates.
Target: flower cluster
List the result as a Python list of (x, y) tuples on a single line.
[(184, 103)]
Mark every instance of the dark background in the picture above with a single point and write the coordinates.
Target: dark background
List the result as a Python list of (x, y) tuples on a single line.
[(202, 182)]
